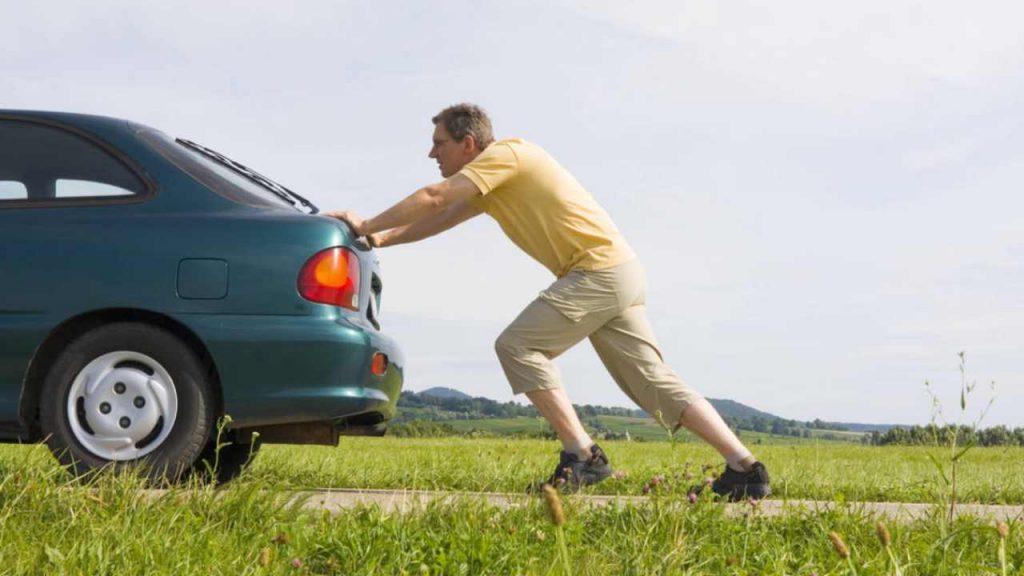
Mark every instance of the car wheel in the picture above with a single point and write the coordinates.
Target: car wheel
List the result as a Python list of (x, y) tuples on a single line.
[(227, 463), (127, 395)]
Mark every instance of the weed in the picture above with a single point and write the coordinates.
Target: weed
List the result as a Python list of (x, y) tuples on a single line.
[(957, 448)]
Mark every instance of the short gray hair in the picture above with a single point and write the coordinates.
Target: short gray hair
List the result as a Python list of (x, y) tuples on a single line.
[(463, 120)]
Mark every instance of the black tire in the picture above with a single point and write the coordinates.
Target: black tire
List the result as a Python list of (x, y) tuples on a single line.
[(228, 463), (171, 450)]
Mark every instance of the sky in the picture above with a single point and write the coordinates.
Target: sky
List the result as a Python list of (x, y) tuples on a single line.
[(822, 193)]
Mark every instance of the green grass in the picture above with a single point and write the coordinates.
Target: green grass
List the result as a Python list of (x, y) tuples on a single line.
[(48, 526), (825, 470), (822, 471)]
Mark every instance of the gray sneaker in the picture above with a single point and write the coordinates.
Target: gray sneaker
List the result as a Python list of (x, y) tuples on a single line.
[(572, 473)]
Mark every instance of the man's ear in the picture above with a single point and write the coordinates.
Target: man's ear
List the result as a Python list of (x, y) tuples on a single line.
[(469, 145)]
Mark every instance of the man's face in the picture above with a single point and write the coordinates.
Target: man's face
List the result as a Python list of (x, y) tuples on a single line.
[(451, 155)]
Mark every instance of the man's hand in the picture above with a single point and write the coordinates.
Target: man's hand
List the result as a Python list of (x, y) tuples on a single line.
[(351, 219), (375, 240)]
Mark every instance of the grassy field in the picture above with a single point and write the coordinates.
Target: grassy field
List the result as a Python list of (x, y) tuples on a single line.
[(48, 526), (820, 471)]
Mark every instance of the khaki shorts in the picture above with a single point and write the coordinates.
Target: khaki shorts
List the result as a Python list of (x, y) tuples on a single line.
[(607, 306)]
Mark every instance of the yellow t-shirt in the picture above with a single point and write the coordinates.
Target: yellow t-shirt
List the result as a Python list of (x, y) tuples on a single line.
[(544, 210)]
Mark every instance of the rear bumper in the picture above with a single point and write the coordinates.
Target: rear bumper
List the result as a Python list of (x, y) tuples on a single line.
[(276, 370)]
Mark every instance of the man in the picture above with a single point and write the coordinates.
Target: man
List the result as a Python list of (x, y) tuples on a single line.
[(598, 294)]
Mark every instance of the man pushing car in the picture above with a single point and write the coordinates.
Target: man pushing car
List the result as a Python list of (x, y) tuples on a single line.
[(599, 292)]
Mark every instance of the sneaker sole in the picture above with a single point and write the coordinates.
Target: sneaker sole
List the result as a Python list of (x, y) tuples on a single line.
[(567, 487), (755, 491)]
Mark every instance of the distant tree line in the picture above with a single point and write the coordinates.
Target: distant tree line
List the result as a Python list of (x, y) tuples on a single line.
[(932, 434), (472, 408), (414, 407), (786, 427)]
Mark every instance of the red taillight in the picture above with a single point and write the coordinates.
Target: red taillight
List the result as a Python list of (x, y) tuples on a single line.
[(380, 364), (331, 276)]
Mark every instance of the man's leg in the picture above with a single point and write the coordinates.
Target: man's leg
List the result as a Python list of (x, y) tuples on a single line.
[(526, 350), (627, 347), (701, 418), (554, 405)]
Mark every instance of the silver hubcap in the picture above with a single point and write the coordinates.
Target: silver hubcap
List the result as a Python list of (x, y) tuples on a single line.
[(122, 405)]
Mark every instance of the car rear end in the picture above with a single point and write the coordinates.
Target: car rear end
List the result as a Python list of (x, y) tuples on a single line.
[(296, 332)]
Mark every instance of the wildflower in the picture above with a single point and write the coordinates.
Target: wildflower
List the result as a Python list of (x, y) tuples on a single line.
[(1003, 530), (692, 497), (264, 557), (296, 563), (540, 535), (840, 546), (619, 475), (655, 482), (554, 505), (883, 535)]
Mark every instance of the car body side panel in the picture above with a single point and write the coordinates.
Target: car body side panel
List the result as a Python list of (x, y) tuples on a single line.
[(280, 357), (20, 335), (83, 260)]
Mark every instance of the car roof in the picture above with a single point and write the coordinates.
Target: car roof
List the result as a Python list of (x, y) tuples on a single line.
[(94, 121)]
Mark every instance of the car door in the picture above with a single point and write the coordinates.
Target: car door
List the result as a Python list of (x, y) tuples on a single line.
[(54, 179)]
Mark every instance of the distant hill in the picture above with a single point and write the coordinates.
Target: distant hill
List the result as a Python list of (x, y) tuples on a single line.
[(727, 408), (733, 409), (739, 411), (440, 392), (449, 404)]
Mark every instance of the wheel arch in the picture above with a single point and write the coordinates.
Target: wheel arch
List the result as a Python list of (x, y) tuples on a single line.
[(70, 329)]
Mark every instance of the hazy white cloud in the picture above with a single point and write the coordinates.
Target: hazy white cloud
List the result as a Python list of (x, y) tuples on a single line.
[(821, 53)]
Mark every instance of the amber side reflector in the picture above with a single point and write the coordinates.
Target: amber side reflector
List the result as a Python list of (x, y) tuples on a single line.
[(380, 364)]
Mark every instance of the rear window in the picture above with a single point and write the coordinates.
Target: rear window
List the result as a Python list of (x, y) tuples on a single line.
[(212, 174), (43, 163)]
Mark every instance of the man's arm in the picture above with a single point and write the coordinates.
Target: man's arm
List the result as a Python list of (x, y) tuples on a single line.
[(426, 227), (423, 203)]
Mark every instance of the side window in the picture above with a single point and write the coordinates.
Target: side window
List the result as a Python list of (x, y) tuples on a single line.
[(87, 189), (12, 190), (41, 163)]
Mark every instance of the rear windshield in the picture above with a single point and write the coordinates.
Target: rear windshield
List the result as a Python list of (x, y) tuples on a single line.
[(215, 175)]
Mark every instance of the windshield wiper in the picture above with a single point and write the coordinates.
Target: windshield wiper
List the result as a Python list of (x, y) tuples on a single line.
[(278, 190)]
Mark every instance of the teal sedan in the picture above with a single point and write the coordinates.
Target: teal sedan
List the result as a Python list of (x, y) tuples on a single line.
[(158, 300)]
